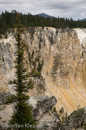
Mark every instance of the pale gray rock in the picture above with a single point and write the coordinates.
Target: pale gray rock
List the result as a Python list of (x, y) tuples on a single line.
[(41, 104), (76, 120), (63, 54), (42, 111)]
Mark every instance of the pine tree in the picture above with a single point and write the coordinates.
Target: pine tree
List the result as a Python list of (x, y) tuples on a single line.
[(22, 111)]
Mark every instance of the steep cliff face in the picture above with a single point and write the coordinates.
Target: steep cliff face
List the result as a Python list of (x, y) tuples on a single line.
[(7, 49), (62, 57)]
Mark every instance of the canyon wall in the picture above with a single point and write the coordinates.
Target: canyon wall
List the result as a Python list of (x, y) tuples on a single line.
[(62, 56)]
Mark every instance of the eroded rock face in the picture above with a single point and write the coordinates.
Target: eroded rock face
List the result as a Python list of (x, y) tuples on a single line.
[(41, 104), (42, 112), (63, 73), (3, 97), (76, 120), (7, 49)]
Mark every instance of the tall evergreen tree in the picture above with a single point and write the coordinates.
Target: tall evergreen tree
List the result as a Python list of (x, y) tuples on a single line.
[(22, 111)]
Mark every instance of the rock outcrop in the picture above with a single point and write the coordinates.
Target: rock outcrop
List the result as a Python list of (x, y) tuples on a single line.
[(42, 112), (76, 120), (61, 53)]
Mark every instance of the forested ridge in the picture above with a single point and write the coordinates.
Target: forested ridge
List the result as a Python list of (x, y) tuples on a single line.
[(8, 20)]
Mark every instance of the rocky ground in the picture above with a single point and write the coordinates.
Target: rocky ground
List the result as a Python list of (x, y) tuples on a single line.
[(42, 111), (60, 54), (45, 117)]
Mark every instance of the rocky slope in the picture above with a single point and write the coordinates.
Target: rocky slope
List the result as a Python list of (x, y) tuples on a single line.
[(76, 120), (62, 57), (42, 112)]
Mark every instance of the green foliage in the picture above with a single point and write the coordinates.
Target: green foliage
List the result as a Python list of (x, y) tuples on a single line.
[(34, 64), (51, 39), (56, 31), (39, 45), (23, 118), (61, 111), (54, 110), (32, 32), (32, 54), (35, 73), (3, 59), (78, 112), (10, 99), (0, 36), (37, 59), (5, 35), (40, 65), (85, 126), (8, 20), (66, 116), (62, 115), (40, 37), (29, 58), (22, 111), (30, 84), (12, 82)]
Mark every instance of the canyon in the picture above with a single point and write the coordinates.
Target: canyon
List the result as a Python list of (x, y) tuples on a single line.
[(61, 54)]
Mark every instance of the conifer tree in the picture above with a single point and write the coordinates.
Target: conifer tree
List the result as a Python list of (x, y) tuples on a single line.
[(22, 111)]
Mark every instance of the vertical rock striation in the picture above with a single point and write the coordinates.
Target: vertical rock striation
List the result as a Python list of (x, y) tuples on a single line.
[(63, 73)]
